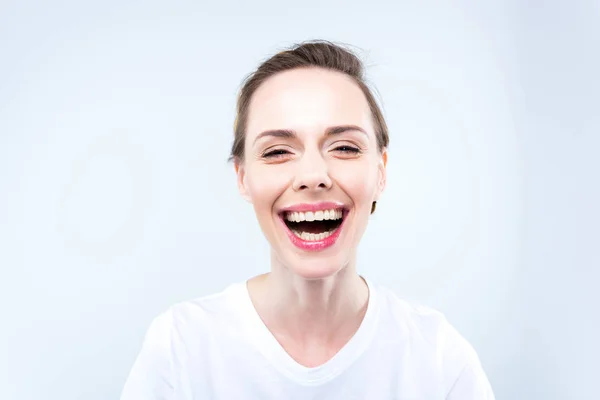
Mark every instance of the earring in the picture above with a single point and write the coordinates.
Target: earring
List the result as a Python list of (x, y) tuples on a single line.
[(373, 206)]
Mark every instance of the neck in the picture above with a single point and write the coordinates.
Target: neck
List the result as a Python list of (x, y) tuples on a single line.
[(326, 309)]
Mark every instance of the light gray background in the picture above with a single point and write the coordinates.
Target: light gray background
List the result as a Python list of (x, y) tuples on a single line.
[(116, 199)]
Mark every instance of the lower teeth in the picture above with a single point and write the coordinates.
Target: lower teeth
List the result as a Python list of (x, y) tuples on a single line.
[(313, 237)]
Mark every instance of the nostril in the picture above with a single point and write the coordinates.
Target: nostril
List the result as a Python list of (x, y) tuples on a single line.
[(311, 185)]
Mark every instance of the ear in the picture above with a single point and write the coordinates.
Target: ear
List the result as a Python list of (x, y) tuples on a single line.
[(240, 171), (382, 174)]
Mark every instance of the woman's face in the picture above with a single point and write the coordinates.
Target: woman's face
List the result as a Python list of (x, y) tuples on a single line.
[(311, 169)]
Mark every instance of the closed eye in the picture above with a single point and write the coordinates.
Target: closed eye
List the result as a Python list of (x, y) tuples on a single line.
[(347, 149), (275, 153)]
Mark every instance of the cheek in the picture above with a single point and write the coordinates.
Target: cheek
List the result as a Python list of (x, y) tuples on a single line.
[(358, 180), (265, 185)]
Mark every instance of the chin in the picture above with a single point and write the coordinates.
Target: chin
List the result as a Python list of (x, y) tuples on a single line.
[(315, 267)]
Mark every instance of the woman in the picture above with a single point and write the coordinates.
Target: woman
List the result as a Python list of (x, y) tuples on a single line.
[(310, 156)]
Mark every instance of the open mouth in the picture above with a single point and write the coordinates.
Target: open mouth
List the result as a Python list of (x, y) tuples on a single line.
[(314, 226)]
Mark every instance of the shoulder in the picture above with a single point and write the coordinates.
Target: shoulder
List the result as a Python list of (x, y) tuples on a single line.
[(432, 336), (188, 323), (172, 333), (199, 312), (426, 324)]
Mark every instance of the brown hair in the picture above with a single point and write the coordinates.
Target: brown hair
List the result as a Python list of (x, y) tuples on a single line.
[(319, 54)]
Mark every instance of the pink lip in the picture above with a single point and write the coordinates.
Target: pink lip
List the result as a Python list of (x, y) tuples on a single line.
[(318, 244)]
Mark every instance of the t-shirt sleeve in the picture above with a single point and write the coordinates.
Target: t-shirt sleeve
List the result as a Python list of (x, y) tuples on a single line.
[(472, 383), (151, 375)]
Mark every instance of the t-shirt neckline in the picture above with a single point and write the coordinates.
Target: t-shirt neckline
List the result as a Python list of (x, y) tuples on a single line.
[(268, 345)]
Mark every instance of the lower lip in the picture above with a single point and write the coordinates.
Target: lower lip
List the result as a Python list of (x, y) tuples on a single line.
[(315, 245)]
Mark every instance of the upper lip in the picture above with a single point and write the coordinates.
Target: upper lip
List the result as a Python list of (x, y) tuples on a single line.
[(321, 206)]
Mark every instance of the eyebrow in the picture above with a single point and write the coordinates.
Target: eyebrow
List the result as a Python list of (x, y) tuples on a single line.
[(290, 134)]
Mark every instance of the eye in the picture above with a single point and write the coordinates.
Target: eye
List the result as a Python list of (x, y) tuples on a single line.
[(275, 153), (347, 149)]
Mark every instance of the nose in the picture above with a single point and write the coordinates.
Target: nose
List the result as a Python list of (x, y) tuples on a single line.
[(312, 174)]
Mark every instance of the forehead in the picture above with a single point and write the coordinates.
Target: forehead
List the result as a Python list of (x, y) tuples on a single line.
[(308, 100)]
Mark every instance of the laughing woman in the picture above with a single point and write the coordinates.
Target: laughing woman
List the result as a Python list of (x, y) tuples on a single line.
[(310, 156)]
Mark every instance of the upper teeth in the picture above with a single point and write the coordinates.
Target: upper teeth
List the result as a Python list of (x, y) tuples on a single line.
[(298, 216)]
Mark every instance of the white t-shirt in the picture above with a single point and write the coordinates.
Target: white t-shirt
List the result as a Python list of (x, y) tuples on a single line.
[(217, 347)]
